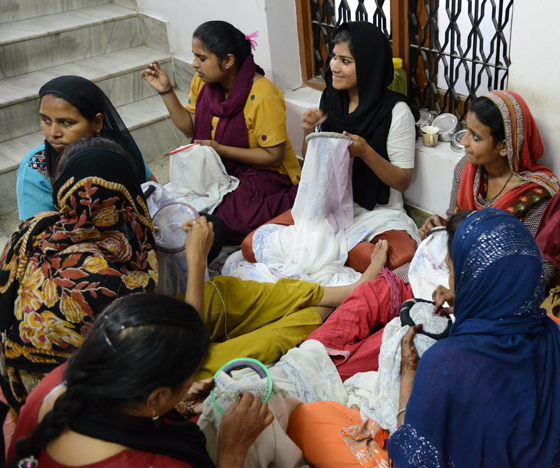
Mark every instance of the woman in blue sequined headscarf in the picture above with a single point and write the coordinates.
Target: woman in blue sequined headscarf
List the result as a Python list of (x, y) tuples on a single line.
[(486, 396)]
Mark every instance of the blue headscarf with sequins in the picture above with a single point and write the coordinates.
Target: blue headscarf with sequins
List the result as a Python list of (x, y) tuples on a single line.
[(487, 395)]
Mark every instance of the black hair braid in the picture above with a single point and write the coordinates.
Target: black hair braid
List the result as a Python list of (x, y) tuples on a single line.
[(66, 408), (139, 343)]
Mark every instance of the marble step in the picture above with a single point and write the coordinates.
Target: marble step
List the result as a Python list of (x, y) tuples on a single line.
[(40, 43), (117, 74), (146, 120), (17, 10)]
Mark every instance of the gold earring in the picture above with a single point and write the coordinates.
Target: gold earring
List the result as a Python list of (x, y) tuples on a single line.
[(155, 417), (97, 133)]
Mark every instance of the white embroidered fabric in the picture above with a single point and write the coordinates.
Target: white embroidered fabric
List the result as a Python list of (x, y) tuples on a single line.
[(198, 177), (309, 373), (428, 269), (380, 391), (327, 224), (273, 447)]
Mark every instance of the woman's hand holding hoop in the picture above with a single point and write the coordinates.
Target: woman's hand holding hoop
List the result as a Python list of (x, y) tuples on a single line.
[(440, 296), (430, 223), (359, 146), (212, 144), (242, 424)]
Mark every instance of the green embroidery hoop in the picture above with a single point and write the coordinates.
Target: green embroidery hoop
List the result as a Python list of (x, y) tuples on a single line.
[(257, 366)]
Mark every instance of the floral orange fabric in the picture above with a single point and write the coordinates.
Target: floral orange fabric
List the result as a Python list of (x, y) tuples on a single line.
[(525, 148), (60, 269), (367, 441)]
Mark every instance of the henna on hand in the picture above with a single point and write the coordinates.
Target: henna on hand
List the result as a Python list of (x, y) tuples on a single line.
[(409, 354)]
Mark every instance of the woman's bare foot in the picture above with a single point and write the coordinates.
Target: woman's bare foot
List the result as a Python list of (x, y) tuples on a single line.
[(334, 296), (378, 261)]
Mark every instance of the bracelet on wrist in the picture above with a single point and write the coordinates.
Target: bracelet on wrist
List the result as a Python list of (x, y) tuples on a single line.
[(168, 91), (401, 412)]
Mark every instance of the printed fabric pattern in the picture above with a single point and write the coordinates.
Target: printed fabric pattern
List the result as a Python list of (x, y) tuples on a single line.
[(365, 442), (60, 269), (39, 163)]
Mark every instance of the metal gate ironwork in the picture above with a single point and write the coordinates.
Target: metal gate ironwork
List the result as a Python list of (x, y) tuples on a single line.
[(326, 17), (438, 68), (446, 71)]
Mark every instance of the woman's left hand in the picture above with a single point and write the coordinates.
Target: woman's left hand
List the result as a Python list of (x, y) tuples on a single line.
[(213, 144), (409, 355), (191, 405), (359, 146)]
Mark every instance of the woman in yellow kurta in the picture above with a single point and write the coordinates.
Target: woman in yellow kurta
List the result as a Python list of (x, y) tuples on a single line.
[(242, 116), (251, 319)]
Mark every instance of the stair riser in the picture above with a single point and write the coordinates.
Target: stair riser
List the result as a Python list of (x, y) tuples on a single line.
[(157, 139), (65, 47), (26, 9), (8, 201), (22, 119), (154, 140)]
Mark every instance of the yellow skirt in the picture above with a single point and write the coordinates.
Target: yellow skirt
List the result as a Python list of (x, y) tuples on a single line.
[(257, 320)]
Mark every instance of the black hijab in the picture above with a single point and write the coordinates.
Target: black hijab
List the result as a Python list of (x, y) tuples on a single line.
[(90, 100), (372, 118)]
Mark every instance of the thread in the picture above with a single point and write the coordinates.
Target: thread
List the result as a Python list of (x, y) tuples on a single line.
[(160, 105)]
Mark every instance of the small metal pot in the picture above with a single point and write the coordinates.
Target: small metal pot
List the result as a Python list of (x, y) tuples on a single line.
[(456, 141), (426, 118), (448, 124)]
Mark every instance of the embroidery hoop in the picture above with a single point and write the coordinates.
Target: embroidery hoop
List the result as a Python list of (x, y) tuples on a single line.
[(257, 366)]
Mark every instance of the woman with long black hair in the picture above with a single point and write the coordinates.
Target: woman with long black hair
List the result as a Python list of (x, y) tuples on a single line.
[(113, 404)]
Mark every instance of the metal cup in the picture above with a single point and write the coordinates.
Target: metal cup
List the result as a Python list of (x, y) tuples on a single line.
[(430, 136)]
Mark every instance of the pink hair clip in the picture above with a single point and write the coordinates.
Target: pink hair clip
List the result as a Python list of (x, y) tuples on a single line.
[(249, 37)]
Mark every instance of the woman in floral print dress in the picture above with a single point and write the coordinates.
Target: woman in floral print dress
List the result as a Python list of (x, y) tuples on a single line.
[(62, 268)]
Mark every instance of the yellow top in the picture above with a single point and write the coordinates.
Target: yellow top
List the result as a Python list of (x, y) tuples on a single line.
[(265, 117)]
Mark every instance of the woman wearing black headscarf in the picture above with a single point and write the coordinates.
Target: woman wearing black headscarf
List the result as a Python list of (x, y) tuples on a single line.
[(71, 108), (356, 102), (61, 268)]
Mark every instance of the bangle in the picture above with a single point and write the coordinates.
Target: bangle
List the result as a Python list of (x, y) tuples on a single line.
[(401, 412), (168, 91)]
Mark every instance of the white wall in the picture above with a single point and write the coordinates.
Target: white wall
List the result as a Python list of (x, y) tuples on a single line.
[(277, 51), (535, 69)]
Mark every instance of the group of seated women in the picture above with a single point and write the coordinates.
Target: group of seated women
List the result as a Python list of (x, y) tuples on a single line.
[(101, 369)]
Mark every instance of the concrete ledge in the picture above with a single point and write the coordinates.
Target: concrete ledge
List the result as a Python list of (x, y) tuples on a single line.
[(432, 178)]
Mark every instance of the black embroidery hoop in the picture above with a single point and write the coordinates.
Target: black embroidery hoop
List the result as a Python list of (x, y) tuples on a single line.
[(406, 319)]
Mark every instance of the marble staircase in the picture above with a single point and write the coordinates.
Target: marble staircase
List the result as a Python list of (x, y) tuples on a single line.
[(106, 42)]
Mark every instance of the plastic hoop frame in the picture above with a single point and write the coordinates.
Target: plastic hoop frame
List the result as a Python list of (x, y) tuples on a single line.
[(257, 366)]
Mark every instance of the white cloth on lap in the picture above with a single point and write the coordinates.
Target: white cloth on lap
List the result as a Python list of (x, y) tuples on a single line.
[(198, 177), (382, 403), (273, 447), (327, 224), (428, 269)]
